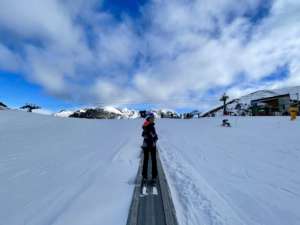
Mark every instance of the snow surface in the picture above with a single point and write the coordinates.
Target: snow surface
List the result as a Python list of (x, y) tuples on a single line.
[(130, 113), (64, 113), (63, 171), (112, 109), (248, 174)]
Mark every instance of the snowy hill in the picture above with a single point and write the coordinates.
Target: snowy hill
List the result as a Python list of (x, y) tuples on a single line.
[(67, 171)]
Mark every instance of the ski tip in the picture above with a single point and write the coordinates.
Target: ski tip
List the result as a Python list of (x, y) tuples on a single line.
[(154, 191)]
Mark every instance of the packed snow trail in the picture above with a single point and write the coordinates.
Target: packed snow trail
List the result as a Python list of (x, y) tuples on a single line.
[(248, 174), (62, 171), (152, 208)]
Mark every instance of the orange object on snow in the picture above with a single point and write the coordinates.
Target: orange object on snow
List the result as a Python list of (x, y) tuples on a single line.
[(293, 110)]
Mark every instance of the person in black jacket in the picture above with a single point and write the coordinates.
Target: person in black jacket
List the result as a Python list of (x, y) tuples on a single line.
[(149, 146)]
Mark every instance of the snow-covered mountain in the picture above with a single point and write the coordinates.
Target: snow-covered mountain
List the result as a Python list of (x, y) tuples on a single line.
[(107, 112), (110, 112), (166, 113)]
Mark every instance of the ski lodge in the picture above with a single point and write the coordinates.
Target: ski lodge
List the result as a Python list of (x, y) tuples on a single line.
[(271, 106)]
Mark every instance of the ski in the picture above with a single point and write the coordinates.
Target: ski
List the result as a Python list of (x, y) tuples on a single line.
[(148, 187), (154, 190), (144, 188)]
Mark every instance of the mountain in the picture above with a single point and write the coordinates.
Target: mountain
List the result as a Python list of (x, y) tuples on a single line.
[(166, 113), (109, 112)]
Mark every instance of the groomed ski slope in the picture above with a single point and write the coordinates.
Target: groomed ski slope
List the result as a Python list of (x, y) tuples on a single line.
[(248, 174), (61, 171)]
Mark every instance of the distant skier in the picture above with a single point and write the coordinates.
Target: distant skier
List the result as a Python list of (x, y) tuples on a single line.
[(225, 123), (149, 147)]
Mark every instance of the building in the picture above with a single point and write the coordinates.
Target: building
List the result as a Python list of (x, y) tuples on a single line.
[(271, 106)]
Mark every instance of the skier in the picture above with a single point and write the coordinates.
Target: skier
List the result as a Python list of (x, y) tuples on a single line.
[(225, 123), (149, 147)]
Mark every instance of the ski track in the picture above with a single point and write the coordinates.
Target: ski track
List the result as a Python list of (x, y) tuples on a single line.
[(200, 205), (55, 205)]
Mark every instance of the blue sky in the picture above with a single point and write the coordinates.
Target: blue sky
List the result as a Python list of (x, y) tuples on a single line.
[(145, 53), (17, 91)]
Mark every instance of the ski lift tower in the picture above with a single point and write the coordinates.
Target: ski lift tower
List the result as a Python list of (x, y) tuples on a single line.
[(224, 99)]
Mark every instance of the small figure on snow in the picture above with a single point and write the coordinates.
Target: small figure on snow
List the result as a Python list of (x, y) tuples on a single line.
[(149, 147), (293, 110), (225, 123)]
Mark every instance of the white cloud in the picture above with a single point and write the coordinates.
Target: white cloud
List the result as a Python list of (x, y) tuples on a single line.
[(186, 49), (46, 20), (8, 60)]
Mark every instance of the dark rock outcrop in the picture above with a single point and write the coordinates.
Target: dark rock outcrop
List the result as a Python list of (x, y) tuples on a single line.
[(3, 106), (97, 113)]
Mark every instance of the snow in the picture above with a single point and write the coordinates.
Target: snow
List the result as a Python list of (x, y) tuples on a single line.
[(248, 174), (43, 111), (64, 113), (166, 111), (293, 91), (112, 109), (62, 171), (130, 114), (66, 171), (122, 113)]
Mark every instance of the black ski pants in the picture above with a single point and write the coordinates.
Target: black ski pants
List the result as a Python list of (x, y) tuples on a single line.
[(147, 152)]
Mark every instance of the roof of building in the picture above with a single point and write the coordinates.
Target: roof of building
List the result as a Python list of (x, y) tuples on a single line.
[(270, 98), (218, 108)]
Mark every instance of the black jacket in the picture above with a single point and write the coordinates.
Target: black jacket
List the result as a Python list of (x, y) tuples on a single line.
[(149, 135)]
